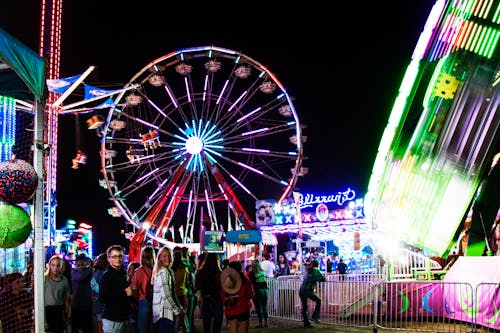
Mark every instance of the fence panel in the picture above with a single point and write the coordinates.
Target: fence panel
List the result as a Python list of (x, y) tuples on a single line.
[(420, 306), (413, 306), (16, 296)]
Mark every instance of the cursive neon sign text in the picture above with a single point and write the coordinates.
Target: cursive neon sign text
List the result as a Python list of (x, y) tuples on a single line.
[(309, 199)]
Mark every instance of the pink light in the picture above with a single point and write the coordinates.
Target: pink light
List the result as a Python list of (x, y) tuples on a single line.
[(83, 231)]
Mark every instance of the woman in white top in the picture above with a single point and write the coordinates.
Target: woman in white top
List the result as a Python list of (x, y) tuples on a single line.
[(165, 303)]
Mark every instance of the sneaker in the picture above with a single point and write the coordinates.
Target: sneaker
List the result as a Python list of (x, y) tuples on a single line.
[(316, 320)]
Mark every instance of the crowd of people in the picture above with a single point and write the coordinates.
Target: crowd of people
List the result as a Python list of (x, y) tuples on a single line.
[(158, 294)]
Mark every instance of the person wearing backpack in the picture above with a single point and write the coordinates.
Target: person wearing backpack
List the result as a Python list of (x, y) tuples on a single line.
[(258, 278), (142, 289)]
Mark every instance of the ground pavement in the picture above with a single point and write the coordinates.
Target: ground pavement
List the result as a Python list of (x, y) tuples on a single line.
[(287, 325)]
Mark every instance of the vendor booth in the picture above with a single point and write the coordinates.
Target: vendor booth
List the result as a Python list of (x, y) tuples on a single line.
[(248, 244)]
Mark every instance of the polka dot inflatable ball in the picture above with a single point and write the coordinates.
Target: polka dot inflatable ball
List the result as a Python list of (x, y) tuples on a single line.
[(18, 181), (15, 226)]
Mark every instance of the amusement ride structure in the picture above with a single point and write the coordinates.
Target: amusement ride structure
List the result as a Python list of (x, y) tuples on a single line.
[(206, 133)]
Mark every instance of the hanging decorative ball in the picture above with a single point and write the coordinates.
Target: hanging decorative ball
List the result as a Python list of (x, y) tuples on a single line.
[(18, 181), (15, 226)]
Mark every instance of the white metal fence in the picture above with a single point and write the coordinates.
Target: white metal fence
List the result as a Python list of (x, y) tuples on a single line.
[(369, 301)]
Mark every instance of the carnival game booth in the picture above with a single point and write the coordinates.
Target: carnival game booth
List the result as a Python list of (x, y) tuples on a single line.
[(248, 244)]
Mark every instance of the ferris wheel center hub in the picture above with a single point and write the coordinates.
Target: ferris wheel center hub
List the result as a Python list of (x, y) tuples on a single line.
[(194, 145)]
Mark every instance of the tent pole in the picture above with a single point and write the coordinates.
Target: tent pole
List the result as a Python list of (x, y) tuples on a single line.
[(38, 257)]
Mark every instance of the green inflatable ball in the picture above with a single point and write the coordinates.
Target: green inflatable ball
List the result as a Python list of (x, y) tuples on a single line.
[(15, 226)]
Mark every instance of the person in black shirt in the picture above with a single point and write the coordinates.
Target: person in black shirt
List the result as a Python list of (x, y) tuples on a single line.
[(81, 298), (207, 282), (342, 269), (114, 292)]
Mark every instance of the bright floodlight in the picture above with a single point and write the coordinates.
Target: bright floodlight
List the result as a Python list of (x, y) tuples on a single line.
[(194, 145)]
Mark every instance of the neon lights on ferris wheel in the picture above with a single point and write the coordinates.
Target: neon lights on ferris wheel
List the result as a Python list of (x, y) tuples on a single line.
[(156, 107), (250, 168), (240, 184), (249, 114), (171, 96), (238, 100), (147, 175), (222, 92), (266, 151), (186, 84), (256, 131)]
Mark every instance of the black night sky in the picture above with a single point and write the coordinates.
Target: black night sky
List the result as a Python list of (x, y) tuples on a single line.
[(342, 62)]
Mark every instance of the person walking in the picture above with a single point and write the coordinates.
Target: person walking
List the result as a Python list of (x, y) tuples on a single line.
[(308, 291), (237, 293), (114, 292), (207, 283), (165, 303), (81, 298), (142, 289), (259, 283), (56, 296)]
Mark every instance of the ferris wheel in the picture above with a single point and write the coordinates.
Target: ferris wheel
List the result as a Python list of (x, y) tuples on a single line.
[(204, 134)]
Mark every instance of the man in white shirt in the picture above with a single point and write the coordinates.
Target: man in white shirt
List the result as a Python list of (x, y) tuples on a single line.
[(268, 266)]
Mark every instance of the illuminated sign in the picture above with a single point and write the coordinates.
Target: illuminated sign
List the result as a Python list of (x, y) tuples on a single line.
[(214, 241), (264, 212), (313, 208), (340, 198)]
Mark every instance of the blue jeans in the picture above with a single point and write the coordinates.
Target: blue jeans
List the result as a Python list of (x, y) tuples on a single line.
[(304, 296), (144, 316)]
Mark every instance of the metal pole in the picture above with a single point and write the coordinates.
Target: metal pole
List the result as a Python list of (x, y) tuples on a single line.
[(38, 256)]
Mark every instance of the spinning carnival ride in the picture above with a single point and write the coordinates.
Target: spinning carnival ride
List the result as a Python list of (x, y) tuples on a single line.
[(206, 133)]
